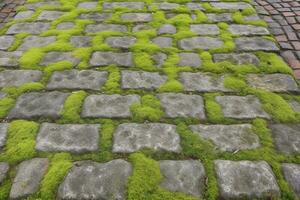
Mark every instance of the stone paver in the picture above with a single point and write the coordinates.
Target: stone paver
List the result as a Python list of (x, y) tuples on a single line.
[(55, 56), (167, 29), (80, 41), (49, 15), (10, 59), (189, 59), (32, 28), (120, 42), (36, 41), (163, 42), (130, 5), (238, 59), (237, 29), (98, 17), (231, 5), (204, 43), (15, 78), (292, 175), (94, 28), (255, 44), (111, 58), (6, 42), (4, 167), (3, 134), (205, 29), (137, 17)]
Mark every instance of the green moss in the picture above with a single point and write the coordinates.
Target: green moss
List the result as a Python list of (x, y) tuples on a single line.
[(272, 63), (5, 105), (5, 189), (112, 84), (213, 109), (171, 85), (31, 58), (144, 61), (28, 87), (59, 66), (84, 55), (201, 17), (18, 40), (235, 83)]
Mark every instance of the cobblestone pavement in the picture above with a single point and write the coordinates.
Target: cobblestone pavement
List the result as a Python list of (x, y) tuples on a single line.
[(147, 100)]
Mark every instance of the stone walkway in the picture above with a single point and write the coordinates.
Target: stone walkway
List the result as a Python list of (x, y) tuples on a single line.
[(147, 100)]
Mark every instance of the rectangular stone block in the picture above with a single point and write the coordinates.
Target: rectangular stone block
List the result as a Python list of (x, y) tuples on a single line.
[(111, 58)]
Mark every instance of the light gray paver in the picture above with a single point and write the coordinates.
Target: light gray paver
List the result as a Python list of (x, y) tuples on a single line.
[(50, 15), (28, 27), (130, 137), (93, 28), (65, 25), (4, 167), (129, 5), (6, 41), (34, 6), (163, 42), (189, 59), (204, 43), (237, 59), (231, 5), (80, 41), (120, 42), (159, 58), (110, 58), (187, 176), (87, 5), (166, 29), (136, 17), (3, 134), (194, 6), (238, 29), (205, 29), (92, 180), (221, 17), (56, 56), (292, 175), (168, 6), (10, 59), (255, 44), (11, 78), (36, 41), (295, 105), (23, 14), (98, 17), (141, 27)]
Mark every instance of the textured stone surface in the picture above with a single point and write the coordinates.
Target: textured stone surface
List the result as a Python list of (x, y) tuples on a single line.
[(3, 133), (98, 17), (186, 176), (75, 138), (222, 17), (80, 41), (92, 180), (10, 59), (182, 105), (39, 104), (163, 42), (231, 5), (136, 17), (74, 79), (255, 44), (167, 29), (241, 107), (168, 6), (131, 137), (65, 25), (142, 80), (108, 106), (93, 28), (4, 167), (130, 5), (6, 41), (120, 42), (205, 43), (110, 58), (237, 59), (245, 180), (292, 175), (141, 27), (201, 82), (286, 137), (56, 56), (194, 6), (87, 5), (36, 41), (23, 14), (50, 15), (28, 178), (295, 106), (28, 27), (34, 6), (273, 82), (11, 78), (238, 29), (159, 58), (189, 59), (205, 29), (228, 137)]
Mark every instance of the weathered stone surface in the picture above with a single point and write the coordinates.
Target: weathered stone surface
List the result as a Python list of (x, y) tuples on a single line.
[(205, 29), (273, 82), (56, 56), (65, 25), (163, 42), (110, 58), (2, 95), (34, 6), (28, 27), (186, 176), (136, 17), (28, 178), (189, 59), (253, 17), (10, 59), (3, 133), (92, 180), (87, 5), (228, 137), (205, 43), (141, 27), (159, 58), (98, 17), (221, 17), (6, 41), (201, 82), (166, 29), (80, 41), (38, 104), (246, 180), (295, 105), (168, 6), (255, 44), (129, 5), (131, 137), (109, 106), (74, 79), (239, 29), (241, 107), (93, 28), (237, 59), (36, 41), (10, 78), (194, 6), (231, 5), (182, 105), (75, 138), (292, 175), (4, 167), (142, 80), (286, 137), (50, 15), (23, 14), (123, 42)]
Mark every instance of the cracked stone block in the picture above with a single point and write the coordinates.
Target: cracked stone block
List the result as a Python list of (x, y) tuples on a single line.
[(237, 59), (109, 106), (186, 176), (221, 17), (75, 79), (295, 106), (286, 137), (87, 5), (38, 104), (137, 17), (93, 180), (130, 137), (6, 41), (246, 180), (111, 58), (182, 105), (168, 6), (142, 80), (65, 25), (94, 28), (238, 29), (189, 59), (28, 178), (163, 42), (205, 29), (255, 44), (129, 5), (98, 17), (10, 59), (3, 133), (34, 6), (291, 173), (273, 82), (4, 167), (36, 41), (159, 58), (23, 14), (230, 5), (123, 42), (241, 107), (141, 27), (202, 82), (75, 138), (28, 27), (205, 43), (166, 29), (228, 137), (80, 41), (56, 56), (11, 78), (194, 6), (50, 15)]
